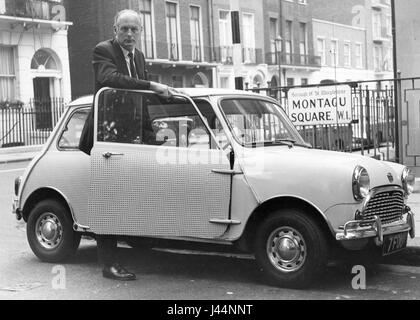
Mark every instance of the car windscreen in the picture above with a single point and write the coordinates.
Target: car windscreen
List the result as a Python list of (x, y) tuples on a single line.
[(256, 122)]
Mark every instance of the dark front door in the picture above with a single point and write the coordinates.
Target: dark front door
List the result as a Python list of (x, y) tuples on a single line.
[(42, 103)]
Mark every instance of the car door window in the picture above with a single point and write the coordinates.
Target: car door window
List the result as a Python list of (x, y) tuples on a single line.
[(213, 122), (145, 118), (71, 134)]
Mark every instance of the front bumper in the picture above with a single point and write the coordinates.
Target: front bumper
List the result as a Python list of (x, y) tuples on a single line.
[(373, 228)]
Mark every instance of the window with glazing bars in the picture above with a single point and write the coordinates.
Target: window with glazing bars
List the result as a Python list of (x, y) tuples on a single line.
[(7, 74), (195, 33), (145, 7), (172, 30)]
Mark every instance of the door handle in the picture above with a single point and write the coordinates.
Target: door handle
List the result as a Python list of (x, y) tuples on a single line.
[(231, 172), (108, 155)]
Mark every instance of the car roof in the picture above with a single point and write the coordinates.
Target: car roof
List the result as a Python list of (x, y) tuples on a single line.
[(192, 92)]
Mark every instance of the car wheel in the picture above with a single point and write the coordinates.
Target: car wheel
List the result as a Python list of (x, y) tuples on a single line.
[(290, 248), (50, 231)]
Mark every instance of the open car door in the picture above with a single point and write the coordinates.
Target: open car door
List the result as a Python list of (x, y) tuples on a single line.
[(154, 168)]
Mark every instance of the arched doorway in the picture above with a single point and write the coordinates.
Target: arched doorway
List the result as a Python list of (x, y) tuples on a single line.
[(274, 82), (257, 81), (46, 75), (200, 80), (274, 85)]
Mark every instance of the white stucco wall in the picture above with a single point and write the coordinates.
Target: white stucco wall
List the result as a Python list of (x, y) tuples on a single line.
[(26, 43)]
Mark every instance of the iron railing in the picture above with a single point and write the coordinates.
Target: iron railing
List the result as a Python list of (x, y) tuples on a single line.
[(31, 124), (224, 54), (372, 127), (274, 58)]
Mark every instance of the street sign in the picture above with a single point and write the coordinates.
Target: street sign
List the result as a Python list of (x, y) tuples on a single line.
[(328, 105)]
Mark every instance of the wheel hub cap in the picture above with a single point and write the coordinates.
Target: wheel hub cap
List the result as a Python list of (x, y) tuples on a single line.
[(49, 230), (286, 249)]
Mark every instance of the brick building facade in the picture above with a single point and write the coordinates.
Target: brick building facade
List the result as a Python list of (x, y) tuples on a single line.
[(188, 43), (176, 40), (297, 57), (373, 17)]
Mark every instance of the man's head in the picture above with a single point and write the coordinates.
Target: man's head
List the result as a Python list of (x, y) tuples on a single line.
[(127, 27)]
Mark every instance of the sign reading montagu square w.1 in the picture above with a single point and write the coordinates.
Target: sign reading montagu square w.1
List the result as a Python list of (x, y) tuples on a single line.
[(320, 105)]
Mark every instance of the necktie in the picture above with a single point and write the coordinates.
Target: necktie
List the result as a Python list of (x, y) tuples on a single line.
[(132, 68)]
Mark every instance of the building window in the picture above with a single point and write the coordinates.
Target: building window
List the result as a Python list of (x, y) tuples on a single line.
[(290, 82), (177, 81), (274, 33), (7, 74), (377, 26), (43, 60), (358, 55), (225, 35), (387, 60), (2, 6), (154, 77), (377, 58), (334, 53), (288, 41), (347, 54), (172, 30), (147, 30), (249, 38), (304, 81), (322, 51), (195, 33), (303, 40), (224, 82), (388, 22)]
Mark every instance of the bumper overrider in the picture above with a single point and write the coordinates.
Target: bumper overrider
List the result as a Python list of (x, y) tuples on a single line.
[(15, 208), (374, 228)]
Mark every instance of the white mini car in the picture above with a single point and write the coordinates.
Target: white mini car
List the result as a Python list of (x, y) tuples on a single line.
[(209, 165)]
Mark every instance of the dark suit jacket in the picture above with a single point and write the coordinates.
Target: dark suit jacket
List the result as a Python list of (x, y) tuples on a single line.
[(110, 69)]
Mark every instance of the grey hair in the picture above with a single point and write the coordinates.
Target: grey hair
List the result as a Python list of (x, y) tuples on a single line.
[(120, 13)]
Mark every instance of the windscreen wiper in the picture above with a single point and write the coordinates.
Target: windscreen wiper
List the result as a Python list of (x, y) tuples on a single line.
[(288, 140)]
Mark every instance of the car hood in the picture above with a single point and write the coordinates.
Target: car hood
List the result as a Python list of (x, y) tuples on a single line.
[(322, 177)]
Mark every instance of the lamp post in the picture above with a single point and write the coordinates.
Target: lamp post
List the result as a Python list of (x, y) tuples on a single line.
[(396, 84), (278, 46)]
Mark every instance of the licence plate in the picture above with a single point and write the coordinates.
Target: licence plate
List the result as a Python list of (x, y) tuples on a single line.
[(394, 242)]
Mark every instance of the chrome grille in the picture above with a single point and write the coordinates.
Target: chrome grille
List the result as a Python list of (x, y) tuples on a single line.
[(387, 205)]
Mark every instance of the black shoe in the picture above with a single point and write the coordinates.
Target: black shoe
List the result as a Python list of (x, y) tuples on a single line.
[(117, 272)]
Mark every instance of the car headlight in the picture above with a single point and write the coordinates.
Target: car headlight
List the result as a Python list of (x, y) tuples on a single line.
[(360, 183), (408, 180)]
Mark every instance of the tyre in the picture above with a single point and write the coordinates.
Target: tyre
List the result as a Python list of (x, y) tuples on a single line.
[(290, 248), (50, 231)]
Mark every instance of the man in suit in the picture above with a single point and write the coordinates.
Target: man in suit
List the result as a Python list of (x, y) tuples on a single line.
[(118, 64)]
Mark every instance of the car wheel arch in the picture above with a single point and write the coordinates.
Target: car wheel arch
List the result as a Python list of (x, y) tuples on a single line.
[(43, 194), (268, 207)]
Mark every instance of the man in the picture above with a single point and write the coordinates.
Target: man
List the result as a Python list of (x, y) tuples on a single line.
[(118, 64)]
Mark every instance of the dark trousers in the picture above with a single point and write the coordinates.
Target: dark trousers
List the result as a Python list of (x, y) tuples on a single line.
[(107, 250)]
